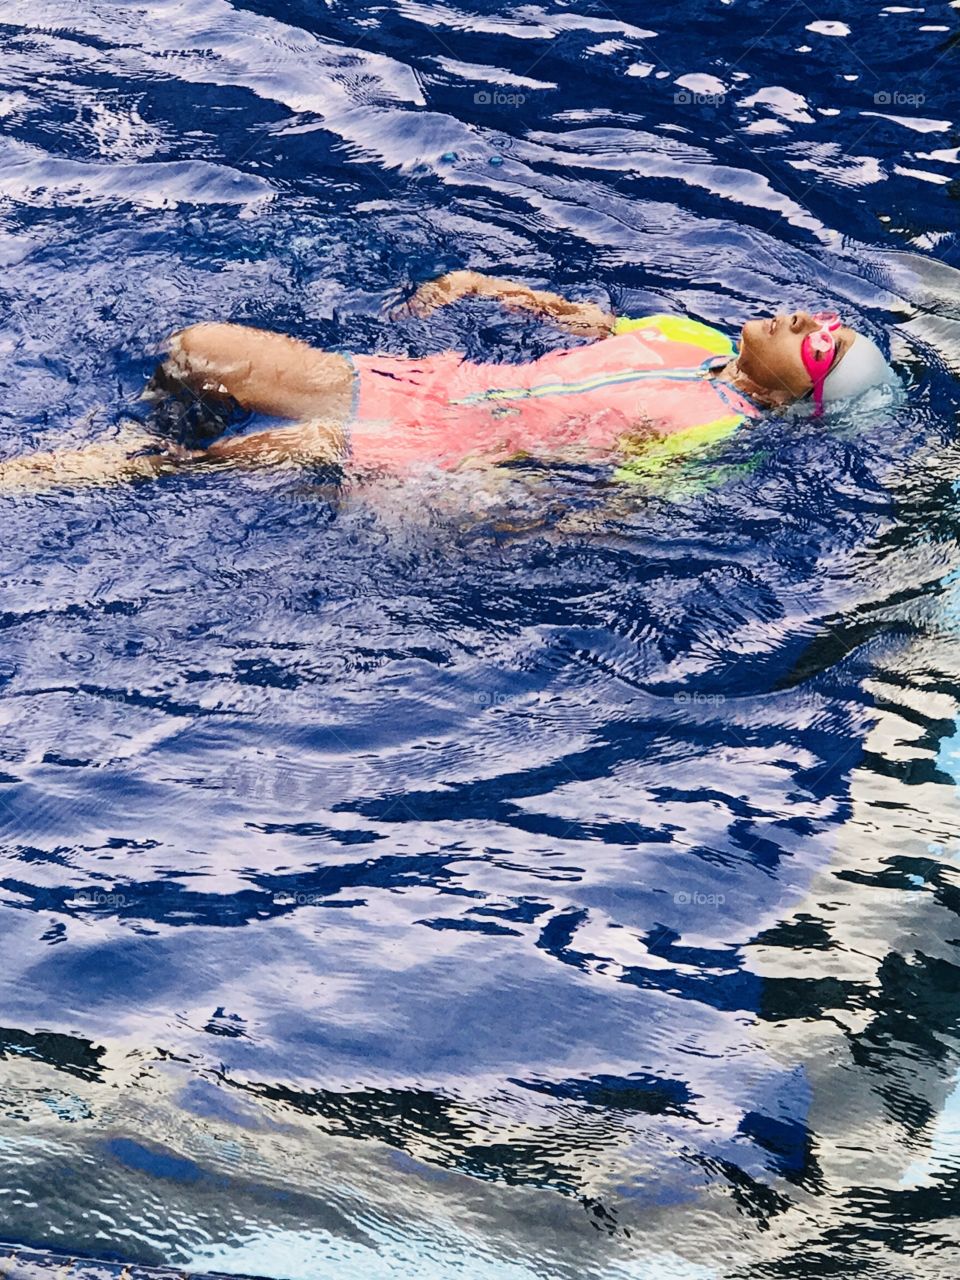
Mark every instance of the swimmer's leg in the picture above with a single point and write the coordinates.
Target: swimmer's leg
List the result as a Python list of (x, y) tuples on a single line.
[(118, 459), (303, 442), (266, 372), (122, 457)]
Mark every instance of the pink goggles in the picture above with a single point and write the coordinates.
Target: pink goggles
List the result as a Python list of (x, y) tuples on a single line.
[(819, 350)]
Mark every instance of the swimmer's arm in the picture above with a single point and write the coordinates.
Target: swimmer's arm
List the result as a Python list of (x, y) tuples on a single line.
[(585, 319)]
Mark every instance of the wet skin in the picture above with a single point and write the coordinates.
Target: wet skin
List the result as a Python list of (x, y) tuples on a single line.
[(284, 377), (770, 358)]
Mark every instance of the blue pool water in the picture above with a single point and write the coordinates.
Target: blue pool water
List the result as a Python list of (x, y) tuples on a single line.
[(504, 876)]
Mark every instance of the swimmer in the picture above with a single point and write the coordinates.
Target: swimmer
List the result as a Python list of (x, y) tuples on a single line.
[(639, 393)]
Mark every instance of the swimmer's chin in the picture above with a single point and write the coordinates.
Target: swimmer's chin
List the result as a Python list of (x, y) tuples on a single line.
[(751, 344), (752, 330)]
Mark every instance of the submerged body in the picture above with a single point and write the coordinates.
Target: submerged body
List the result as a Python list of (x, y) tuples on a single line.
[(647, 385), (641, 393)]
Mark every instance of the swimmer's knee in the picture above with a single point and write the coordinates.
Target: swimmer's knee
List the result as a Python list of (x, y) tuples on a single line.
[(195, 342), (193, 333), (200, 357)]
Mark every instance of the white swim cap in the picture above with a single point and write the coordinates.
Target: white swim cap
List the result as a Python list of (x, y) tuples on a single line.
[(863, 367)]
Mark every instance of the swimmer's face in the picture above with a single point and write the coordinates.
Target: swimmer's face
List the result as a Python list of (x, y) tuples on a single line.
[(770, 353)]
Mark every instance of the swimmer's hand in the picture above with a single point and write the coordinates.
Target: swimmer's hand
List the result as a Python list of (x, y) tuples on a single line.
[(585, 319)]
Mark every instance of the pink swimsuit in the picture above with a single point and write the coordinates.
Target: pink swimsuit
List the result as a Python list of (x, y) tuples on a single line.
[(649, 380)]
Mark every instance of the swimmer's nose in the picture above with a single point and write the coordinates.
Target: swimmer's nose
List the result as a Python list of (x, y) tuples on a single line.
[(802, 322)]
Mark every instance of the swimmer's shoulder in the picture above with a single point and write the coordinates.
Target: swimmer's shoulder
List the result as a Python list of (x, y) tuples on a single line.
[(680, 330)]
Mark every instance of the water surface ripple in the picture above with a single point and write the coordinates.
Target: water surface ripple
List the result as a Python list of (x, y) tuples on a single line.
[(504, 875)]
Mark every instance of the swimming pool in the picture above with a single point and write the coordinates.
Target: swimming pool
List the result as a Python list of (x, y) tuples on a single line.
[(505, 877)]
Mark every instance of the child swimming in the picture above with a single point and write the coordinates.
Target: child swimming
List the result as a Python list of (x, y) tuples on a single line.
[(648, 389)]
